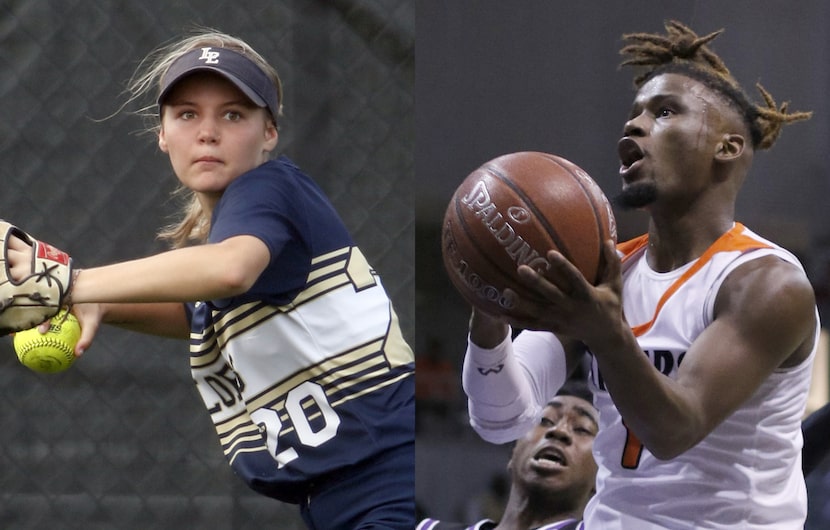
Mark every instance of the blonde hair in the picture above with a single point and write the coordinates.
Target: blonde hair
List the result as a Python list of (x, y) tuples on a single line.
[(194, 225)]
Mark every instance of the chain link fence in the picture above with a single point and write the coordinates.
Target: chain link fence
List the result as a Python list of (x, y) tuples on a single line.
[(121, 440)]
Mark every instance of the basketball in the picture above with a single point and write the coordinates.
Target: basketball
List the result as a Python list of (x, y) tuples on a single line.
[(511, 211)]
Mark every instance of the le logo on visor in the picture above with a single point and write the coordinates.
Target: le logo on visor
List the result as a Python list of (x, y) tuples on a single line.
[(209, 57)]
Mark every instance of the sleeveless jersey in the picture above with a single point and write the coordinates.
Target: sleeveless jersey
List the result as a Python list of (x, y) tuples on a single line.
[(744, 474), (307, 373)]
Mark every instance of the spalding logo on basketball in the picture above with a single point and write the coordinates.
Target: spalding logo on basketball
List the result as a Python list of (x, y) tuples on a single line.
[(511, 211)]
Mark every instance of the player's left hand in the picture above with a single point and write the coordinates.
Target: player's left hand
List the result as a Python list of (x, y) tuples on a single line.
[(35, 280), (570, 305)]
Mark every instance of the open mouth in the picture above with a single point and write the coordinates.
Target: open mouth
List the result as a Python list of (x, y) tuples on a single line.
[(630, 154), (550, 457)]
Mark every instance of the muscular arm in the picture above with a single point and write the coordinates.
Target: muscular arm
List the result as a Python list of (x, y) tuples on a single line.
[(764, 319)]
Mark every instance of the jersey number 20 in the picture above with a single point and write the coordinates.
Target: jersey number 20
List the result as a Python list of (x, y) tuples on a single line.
[(270, 419)]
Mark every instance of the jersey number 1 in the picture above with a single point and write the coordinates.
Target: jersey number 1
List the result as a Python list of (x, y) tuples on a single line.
[(632, 451)]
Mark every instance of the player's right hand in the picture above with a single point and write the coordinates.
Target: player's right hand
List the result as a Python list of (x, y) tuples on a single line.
[(89, 317)]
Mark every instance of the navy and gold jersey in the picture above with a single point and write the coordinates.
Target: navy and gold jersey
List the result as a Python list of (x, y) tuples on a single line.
[(307, 373)]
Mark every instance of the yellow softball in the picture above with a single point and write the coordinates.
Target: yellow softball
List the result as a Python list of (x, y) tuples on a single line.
[(53, 351)]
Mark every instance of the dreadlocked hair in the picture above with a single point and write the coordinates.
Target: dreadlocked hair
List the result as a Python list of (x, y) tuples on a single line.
[(683, 52)]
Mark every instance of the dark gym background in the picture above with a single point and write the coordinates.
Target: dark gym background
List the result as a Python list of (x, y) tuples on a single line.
[(122, 440), (495, 77)]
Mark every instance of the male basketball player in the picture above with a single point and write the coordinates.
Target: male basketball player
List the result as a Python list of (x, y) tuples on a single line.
[(702, 333)]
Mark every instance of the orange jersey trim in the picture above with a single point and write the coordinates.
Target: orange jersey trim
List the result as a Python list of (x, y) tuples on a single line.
[(733, 240)]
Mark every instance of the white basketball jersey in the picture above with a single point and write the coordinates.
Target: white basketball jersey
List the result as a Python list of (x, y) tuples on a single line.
[(744, 474)]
